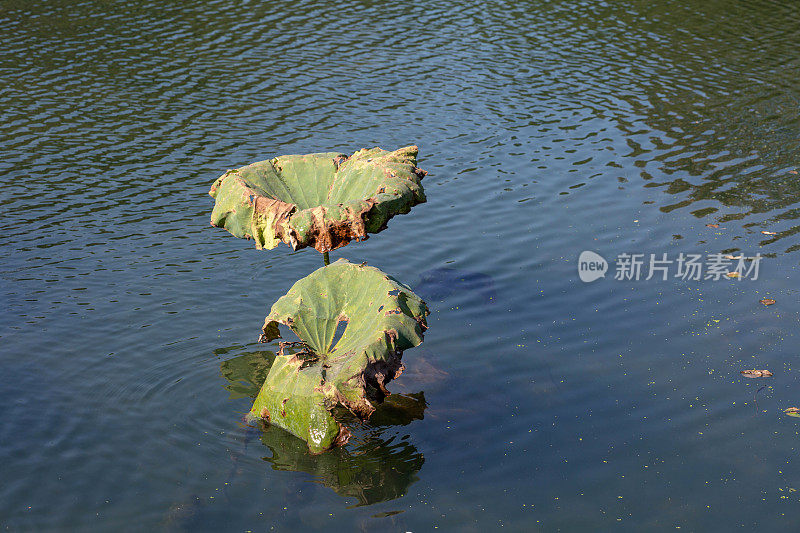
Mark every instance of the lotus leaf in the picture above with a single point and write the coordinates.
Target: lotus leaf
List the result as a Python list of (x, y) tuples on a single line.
[(380, 318), (322, 200)]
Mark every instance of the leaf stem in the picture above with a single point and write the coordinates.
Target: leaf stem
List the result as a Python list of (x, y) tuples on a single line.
[(326, 258)]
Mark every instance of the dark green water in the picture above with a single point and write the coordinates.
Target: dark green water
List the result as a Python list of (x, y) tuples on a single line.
[(127, 353)]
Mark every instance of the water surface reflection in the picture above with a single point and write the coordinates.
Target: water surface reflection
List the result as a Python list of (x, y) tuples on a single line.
[(376, 465)]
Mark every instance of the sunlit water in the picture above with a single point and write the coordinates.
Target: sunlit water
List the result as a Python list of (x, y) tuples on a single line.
[(128, 330)]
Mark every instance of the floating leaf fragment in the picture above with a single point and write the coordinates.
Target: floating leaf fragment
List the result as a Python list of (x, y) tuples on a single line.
[(792, 172), (733, 257), (712, 225), (767, 301), (733, 274), (792, 411), (769, 233), (756, 373)]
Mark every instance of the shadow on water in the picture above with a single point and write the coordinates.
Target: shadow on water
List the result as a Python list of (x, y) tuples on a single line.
[(375, 466), (437, 284)]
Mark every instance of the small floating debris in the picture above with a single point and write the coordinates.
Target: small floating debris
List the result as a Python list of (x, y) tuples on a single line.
[(756, 374), (767, 301), (733, 274), (712, 225), (733, 257), (792, 411), (769, 233)]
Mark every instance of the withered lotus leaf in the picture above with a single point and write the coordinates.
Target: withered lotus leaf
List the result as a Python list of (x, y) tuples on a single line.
[(322, 200), (377, 318)]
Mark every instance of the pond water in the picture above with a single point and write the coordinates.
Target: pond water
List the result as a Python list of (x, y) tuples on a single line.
[(537, 401)]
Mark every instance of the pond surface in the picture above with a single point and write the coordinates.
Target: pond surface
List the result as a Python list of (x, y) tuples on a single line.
[(128, 330)]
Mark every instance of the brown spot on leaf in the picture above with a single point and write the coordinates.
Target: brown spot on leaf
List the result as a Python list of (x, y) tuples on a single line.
[(339, 159), (264, 414), (326, 235)]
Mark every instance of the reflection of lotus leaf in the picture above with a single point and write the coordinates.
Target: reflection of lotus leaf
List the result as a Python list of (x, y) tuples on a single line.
[(246, 373), (382, 318), (322, 200), (399, 410), (374, 470)]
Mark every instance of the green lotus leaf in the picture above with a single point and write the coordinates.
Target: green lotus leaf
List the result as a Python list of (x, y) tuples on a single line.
[(377, 317), (321, 200)]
